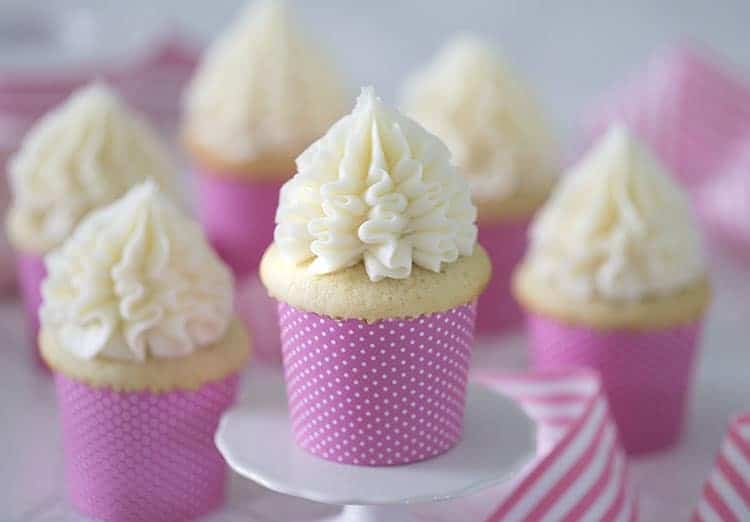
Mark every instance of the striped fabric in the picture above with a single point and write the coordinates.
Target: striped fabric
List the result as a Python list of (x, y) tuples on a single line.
[(153, 83), (581, 472), (685, 105), (726, 495), (724, 204)]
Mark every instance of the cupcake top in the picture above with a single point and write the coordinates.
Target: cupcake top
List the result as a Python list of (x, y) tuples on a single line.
[(375, 200), (82, 155), (261, 95), (617, 229), (136, 281), (471, 98)]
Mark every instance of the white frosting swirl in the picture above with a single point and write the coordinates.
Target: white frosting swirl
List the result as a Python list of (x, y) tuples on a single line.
[(617, 227), (470, 98), (378, 189), (136, 280), (262, 89), (84, 154)]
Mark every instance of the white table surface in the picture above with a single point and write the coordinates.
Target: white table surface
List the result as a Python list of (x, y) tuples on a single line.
[(31, 479)]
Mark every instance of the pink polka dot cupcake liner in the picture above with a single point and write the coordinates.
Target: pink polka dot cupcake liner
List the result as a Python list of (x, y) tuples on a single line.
[(237, 217), (31, 273), (135, 456), (377, 394), (505, 243), (647, 375)]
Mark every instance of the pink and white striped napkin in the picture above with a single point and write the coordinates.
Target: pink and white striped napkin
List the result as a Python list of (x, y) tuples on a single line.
[(688, 108), (724, 204), (581, 472), (152, 83), (726, 495)]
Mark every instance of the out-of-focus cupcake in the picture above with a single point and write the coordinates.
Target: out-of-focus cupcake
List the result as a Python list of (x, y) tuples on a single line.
[(84, 154), (472, 99), (615, 279), (137, 325), (376, 269), (262, 94)]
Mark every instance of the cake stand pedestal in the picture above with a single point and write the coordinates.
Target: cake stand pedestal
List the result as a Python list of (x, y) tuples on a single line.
[(255, 439)]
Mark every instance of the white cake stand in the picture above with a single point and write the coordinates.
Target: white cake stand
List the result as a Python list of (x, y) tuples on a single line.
[(255, 439)]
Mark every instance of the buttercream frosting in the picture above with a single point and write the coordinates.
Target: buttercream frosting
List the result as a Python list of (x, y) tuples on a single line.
[(262, 89), (84, 154), (617, 228), (471, 98), (376, 189), (136, 280)]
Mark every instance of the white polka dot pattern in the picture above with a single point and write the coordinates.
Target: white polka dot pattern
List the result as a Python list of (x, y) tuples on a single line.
[(136, 456), (377, 394)]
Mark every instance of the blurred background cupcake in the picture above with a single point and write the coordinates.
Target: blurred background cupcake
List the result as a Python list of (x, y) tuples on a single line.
[(471, 98), (376, 269), (138, 328), (261, 95), (84, 154), (615, 279)]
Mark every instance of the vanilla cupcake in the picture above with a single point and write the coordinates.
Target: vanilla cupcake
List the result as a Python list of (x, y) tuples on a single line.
[(84, 154), (376, 269), (262, 94), (137, 326), (615, 279), (471, 98)]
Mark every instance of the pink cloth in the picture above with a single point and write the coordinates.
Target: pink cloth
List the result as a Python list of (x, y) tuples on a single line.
[(647, 375), (7, 255), (505, 243), (31, 273), (377, 394), (238, 218), (689, 109), (726, 495), (135, 456), (152, 83), (581, 472), (724, 204)]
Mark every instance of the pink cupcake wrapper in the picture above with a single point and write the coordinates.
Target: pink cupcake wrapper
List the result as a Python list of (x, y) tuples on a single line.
[(135, 456), (238, 218), (505, 243), (376, 394), (646, 374), (258, 311), (31, 273)]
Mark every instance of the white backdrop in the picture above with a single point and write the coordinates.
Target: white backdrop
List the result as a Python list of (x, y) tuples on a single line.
[(568, 50)]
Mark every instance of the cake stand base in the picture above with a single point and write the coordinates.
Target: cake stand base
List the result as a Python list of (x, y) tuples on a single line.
[(255, 439)]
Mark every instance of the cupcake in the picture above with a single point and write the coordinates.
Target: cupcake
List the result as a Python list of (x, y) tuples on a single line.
[(80, 156), (138, 329), (376, 270), (470, 97), (261, 95), (615, 279)]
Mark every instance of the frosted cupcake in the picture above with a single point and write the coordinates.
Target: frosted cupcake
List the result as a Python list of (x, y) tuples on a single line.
[(615, 279), (137, 326), (84, 154), (262, 94), (470, 98), (376, 269)]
